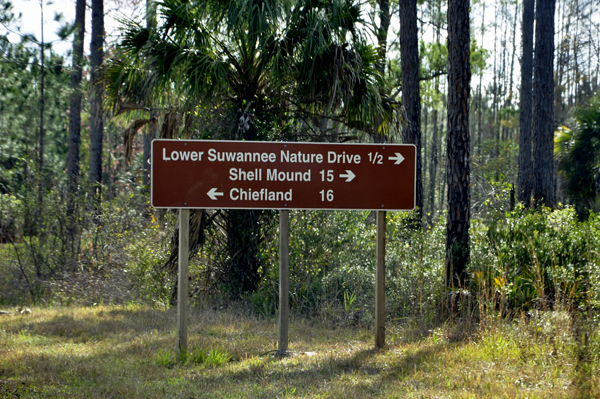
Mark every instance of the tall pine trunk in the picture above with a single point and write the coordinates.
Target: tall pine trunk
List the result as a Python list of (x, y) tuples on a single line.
[(97, 91), (543, 99), (525, 179), (433, 164), (382, 34), (435, 139), (458, 168), (150, 133), (411, 97), (509, 130), (40, 209), (479, 94), (75, 117)]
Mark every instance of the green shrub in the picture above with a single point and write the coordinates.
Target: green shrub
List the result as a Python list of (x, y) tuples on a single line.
[(148, 254), (415, 267), (535, 258)]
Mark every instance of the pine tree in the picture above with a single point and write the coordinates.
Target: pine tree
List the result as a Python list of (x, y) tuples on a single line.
[(457, 174)]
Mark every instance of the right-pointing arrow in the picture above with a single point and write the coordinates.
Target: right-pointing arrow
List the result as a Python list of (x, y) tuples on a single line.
[(348, 175), (213, 194), (398, 158)]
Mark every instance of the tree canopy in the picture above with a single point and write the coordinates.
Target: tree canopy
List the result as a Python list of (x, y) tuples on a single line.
[(271, 62)]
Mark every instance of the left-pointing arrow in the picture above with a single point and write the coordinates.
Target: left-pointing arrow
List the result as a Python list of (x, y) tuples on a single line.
[(213, 194)]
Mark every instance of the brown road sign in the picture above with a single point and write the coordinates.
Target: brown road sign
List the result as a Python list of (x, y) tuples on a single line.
[(277, 175)]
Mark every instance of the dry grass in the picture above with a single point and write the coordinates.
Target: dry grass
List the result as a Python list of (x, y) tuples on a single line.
[(104, 352)]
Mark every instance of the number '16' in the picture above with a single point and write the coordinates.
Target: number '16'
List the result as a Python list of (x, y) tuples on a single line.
[(326, 195)]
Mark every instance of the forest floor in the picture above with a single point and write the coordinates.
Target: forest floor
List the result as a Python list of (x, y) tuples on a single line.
[(128, 351)]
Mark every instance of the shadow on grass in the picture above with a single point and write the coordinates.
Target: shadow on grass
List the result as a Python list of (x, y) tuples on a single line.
[(372, 375), (132, 362), (92, 324)]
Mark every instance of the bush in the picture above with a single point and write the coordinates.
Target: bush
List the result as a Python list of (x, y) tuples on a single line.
[(332, 266), (47, 265), (415, 267), (534, 258)]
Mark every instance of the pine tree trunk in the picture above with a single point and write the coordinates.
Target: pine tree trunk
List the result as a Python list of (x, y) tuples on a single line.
[(382, 32), (479, 94), (524, 183), (433, 164), (494, 133), (411, 97), (150, 133), (543, 99), (443, 152), (509, 131), (75, 117), (96, 122), (459, 77), (40, 209), (426, 152)]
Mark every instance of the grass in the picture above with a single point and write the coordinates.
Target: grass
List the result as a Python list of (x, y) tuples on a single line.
[(104, 352)]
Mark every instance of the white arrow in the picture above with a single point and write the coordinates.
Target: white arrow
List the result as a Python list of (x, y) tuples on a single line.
[(213, 194), (348, 176), (398, 158)]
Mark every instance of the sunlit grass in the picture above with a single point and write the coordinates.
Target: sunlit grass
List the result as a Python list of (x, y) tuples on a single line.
[(130, 352)]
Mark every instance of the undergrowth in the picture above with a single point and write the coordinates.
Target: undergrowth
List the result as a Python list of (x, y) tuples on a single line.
[(525, 261)]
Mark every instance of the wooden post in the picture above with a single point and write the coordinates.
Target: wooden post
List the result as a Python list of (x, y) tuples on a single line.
[(284, 273), (182, 283), (380, 282)]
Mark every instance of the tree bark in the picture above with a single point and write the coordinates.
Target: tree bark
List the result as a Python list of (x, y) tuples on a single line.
[(411, 97), (433, 164), (150, 132), (97, 91), (243, 246), (75, 116), (459, 77), (426, 152), (443, 153), (382, 33), (524, 182), (543, 99), (479, 94), (495, 127), (40, 209), (509, 130)]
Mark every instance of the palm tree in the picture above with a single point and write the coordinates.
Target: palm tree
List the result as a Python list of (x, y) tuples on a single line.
[(275, 70)]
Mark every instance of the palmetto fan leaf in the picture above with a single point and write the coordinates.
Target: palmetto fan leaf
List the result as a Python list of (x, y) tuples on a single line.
[(578, 151), (267, 53)]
